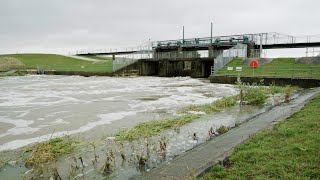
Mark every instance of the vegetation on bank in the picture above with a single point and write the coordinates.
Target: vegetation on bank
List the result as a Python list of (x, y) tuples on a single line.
[(50, 150), (153, 128), (279, 67), (288, 151), (51, 62), (251, 95)]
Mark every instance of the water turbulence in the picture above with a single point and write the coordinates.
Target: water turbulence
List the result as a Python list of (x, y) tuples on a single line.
[(37, 108)]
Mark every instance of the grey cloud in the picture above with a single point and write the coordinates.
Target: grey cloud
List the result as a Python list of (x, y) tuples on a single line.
[(59, 26)]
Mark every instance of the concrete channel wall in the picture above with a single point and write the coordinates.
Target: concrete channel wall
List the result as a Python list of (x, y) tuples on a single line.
[(301, 82)]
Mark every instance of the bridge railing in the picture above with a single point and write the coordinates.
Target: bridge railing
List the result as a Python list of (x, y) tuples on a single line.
[(176, 55), (258, 38), (295, 71), (277, 38)]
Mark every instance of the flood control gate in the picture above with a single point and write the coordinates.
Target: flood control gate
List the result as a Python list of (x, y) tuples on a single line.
[(197, 68)]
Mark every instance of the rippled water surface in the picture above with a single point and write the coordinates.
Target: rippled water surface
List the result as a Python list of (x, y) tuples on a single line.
[(32, 108)]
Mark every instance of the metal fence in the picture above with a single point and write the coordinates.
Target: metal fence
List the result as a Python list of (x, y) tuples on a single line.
[(258, 38), (175, 55), (240, 50), (120, 63), (291, 68)]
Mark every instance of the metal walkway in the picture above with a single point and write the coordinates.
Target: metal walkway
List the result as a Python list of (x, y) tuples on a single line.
[(271, 40)]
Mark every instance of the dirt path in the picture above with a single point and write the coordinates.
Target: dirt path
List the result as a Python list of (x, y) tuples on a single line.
[(85, 58), (196, 161)]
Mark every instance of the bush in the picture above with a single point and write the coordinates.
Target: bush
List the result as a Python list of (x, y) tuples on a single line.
[(225, 102), (222, 129), (254, 96)]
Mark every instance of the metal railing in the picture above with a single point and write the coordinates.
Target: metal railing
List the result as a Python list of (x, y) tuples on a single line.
[(176, 55), (295, 71), (240, 50), (121, 63), (258, 38)]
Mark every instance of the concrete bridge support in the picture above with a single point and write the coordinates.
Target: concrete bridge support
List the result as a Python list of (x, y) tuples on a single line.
[(170, 68), (201, 69), (149, 68)]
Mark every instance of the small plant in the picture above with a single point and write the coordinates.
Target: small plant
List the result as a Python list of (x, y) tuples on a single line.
[(252, 94), (222, 129), (152, 128), (49, 150), (225, 102)]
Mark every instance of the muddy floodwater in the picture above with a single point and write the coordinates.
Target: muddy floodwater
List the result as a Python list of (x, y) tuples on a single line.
[(36, 108), (32, 108)]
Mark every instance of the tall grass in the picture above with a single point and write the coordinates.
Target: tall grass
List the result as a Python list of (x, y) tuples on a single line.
[(152, 128)]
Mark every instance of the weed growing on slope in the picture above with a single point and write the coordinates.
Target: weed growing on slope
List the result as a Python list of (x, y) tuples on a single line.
[(49, 150)]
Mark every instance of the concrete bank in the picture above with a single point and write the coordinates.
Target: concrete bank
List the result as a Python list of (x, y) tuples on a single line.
[(301, 82), (198, 160)]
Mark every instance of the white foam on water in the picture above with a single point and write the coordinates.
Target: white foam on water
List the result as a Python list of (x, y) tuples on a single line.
[(21, 127), (59, 98), (104, 119)]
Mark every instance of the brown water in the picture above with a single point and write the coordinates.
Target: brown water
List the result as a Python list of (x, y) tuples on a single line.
[(33, 108)]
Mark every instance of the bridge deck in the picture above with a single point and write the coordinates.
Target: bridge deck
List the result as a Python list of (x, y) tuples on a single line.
[(267, 40)]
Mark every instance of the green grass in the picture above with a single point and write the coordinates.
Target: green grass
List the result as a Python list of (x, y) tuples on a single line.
[(55, 62), (288, 151), (216, 106), (153, 128), (50, 150), (279, 67)]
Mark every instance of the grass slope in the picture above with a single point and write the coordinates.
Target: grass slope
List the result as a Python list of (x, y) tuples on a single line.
[(288, 151), (281, 67), (52, 62)]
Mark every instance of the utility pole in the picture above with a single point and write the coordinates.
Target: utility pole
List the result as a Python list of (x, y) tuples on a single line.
[(182, 34), (211, 34), (261, 36)]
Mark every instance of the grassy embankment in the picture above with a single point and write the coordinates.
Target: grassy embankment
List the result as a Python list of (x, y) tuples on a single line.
[(51, 62), (279, 67), (250, 95), (288, 151)]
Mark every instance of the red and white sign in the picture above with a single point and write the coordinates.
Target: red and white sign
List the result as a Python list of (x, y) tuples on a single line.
[(254, 63)]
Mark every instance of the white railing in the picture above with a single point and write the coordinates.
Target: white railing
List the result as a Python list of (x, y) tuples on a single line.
[(240, 50), (119, 63)]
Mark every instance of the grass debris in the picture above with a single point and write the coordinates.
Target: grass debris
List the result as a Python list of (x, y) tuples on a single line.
[(251, 94), (152, 128), (222, 129), (50, 150), (216, 106)]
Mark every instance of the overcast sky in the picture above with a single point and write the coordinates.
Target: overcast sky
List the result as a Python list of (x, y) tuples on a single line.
[(60, 26)]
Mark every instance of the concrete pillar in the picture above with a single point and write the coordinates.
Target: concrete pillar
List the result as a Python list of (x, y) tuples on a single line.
[(250, 49), (201, 69), (149, 68), (210, 53), (180, 53)]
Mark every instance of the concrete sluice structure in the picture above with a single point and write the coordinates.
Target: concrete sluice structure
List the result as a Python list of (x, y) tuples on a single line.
[(198, 57)]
